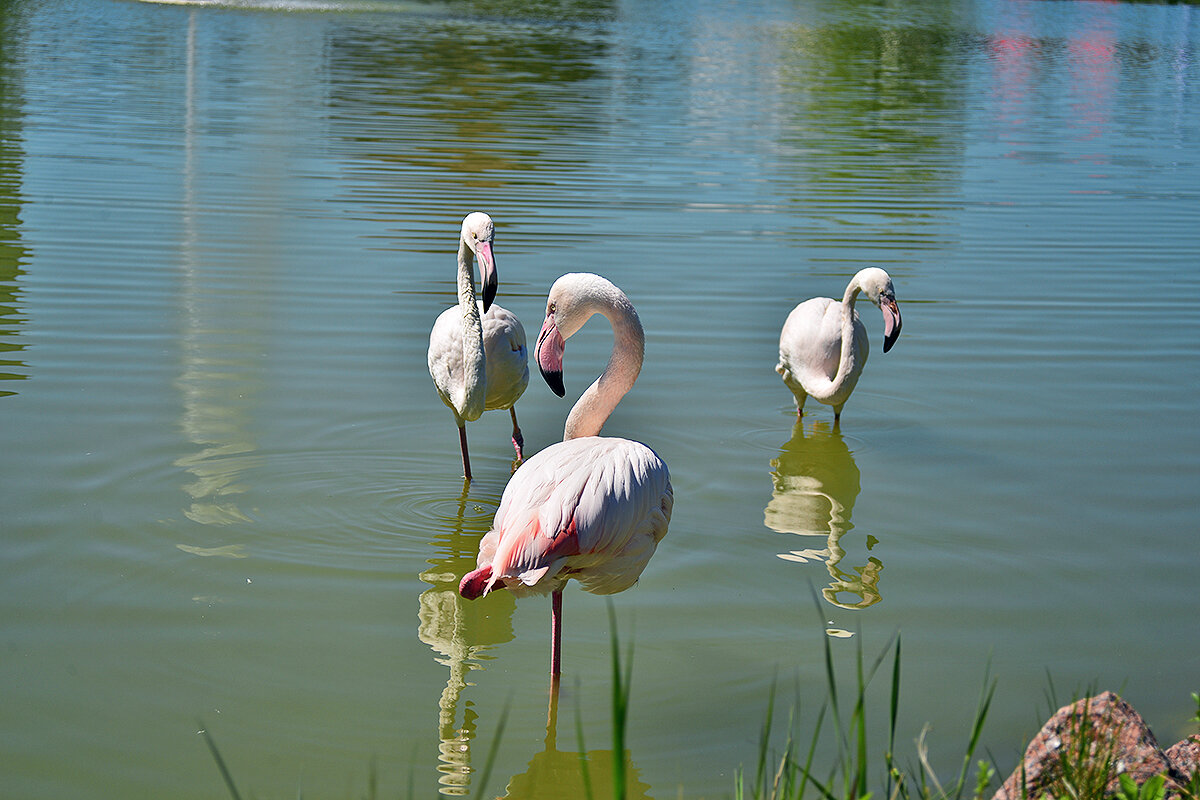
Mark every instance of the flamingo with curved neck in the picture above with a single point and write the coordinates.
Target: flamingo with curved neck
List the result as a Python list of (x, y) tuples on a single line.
[(590, 507), (477, 353), (823, 345)]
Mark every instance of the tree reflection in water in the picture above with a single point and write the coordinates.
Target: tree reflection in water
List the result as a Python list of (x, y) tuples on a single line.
[(815, 483)]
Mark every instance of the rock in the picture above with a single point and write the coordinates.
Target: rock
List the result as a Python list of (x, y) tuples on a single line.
[(1118, 735)]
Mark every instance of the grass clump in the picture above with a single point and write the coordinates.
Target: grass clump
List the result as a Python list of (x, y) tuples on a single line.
[(854, 775)]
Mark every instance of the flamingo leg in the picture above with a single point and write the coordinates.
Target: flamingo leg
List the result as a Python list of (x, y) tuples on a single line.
[(555, 636), (552, 717), (517, 439), (462, 443)]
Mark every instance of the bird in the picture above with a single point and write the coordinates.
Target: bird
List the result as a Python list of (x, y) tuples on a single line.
[(823, 345), (477, 353), (590, 507)]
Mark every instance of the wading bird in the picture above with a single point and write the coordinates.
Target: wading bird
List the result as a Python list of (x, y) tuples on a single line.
[(823, 346), (590, 507), (477, 355)]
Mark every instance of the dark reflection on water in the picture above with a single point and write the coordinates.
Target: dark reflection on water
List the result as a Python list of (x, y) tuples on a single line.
[(12, 251), (460, 632), (815, 482)]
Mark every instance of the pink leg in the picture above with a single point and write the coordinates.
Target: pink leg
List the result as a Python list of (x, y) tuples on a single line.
[(556, 635), (517, 439), (462, 443)]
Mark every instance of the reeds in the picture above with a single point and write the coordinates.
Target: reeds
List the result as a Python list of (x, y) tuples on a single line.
[(854, 774)]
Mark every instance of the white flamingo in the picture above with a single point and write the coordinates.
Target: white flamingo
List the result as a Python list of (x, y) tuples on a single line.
[(589, 507), (823, 346), (477, 355)]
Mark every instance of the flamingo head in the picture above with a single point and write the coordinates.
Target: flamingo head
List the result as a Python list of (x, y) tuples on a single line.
[(878, 286), (478, 231), (549, 351), (573, 299)]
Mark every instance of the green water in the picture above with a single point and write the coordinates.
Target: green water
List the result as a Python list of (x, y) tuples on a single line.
[(230, 497)]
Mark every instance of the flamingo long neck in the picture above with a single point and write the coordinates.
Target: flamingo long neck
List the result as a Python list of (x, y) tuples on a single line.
[(846, 358), (594, 406), (474, 385)]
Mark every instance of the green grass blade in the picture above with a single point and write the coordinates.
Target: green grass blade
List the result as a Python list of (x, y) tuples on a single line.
[(620, 705), (981, 712), (764, 742), (893, 715)]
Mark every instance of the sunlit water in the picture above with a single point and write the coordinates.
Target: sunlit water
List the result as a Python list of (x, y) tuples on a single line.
[(231, 499)]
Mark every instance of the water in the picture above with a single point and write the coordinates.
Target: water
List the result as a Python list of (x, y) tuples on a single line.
[(231, 499)]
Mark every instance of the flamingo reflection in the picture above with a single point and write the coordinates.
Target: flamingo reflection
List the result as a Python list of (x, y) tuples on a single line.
[(815, 485), (460, 633), (555, 773)]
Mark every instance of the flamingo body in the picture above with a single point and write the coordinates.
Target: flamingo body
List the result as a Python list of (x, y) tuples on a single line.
[(505, 357), (593, 509), (823, 346)]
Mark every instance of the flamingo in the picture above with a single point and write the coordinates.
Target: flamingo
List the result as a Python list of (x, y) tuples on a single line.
[(486, 368), (589, 507), (823, 346)]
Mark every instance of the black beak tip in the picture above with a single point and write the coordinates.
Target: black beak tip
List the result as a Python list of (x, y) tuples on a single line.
[(489, 294), (555, 381)]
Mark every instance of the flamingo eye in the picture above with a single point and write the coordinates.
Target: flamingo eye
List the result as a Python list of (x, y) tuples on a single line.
[(550, 309)]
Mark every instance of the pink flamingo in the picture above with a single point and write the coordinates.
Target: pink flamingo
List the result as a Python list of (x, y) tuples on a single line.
[(477, 350), (823, 346), (589, 507)]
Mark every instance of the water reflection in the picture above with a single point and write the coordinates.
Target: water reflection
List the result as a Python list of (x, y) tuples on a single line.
[(12, 250), (816, 483), (853, 149), (461, 633), (219, 379), (433, 110), (554, 774)]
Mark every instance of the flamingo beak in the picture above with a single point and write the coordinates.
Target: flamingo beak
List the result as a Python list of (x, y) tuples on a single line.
[(487, 272), (549, 355), (891, 322)]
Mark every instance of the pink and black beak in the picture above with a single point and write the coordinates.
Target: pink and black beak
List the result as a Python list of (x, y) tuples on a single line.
[(487, 271), (891, 321), (549, 355)]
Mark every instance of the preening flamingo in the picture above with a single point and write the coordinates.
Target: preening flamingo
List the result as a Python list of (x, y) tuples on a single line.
[(591, 508), (823, 346), (477, 353)]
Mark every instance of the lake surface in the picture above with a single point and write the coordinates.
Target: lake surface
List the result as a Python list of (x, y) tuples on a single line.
[(232, 501)]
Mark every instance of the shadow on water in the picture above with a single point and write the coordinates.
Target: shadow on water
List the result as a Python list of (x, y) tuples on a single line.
[(815, 484), (460, 632)]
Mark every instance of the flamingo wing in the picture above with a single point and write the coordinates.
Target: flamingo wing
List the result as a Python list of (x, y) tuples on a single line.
[(507, 358), (447, 366)]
